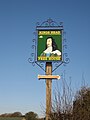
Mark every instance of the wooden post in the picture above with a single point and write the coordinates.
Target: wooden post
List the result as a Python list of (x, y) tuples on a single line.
[(48, 90), (48, 78)]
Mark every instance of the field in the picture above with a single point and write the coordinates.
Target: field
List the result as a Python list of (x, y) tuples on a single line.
[(12, 118)]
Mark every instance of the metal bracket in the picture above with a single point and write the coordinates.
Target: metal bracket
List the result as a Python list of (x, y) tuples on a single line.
[(50, 24)]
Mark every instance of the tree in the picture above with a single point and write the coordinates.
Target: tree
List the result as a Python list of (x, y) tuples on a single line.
[(61, 107), (31, 116), (62, 102), (81, 105), (16, 114)]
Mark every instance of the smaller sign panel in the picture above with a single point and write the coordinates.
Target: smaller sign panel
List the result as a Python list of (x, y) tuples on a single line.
[(49, 47)]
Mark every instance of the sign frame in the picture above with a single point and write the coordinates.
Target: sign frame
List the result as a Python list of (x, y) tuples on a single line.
[(44, 54)]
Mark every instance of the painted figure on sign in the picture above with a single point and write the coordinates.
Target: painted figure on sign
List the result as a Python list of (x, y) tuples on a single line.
[(51, 48)]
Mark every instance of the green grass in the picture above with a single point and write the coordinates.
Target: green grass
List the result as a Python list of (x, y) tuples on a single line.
[(11, 118)]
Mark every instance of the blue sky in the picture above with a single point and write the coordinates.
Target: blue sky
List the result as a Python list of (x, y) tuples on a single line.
[(20, 89)]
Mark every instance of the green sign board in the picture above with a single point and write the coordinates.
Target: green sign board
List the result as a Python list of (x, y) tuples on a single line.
[(49, 46)]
